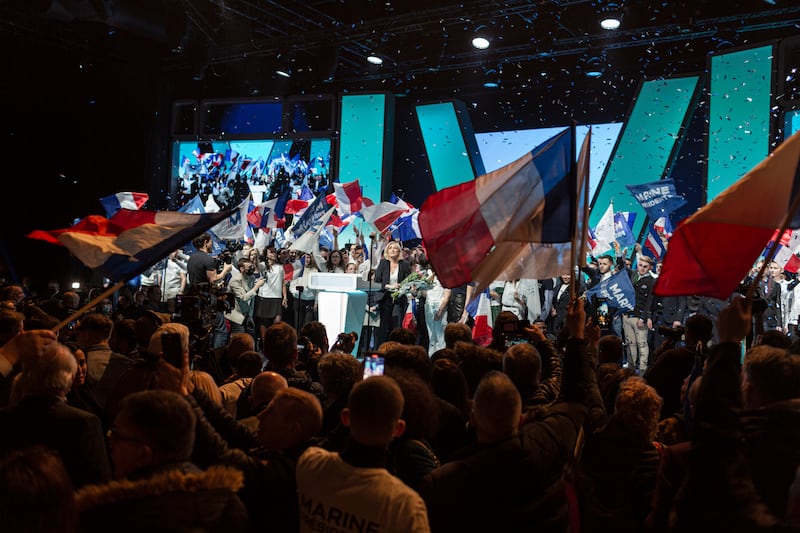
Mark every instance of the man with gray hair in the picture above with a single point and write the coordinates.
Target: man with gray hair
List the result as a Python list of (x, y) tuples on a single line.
[(39, 414)]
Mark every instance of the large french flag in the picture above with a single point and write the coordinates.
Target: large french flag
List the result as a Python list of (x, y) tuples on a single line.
[(270, 214), (476, 230), (126, 244), (123, 200), (711, 252)]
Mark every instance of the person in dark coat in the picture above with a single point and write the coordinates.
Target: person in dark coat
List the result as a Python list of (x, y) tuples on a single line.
[(512, 479), (157, 488), (389, 274), (39, 414)]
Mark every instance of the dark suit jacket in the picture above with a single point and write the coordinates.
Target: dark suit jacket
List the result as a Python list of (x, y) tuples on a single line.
[(75, 434), (382, 273)]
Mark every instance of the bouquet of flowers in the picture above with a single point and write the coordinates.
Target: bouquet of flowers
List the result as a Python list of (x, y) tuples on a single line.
[(413, 283)]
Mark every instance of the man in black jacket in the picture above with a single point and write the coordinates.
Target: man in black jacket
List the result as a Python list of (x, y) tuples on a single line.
[(512, 479)]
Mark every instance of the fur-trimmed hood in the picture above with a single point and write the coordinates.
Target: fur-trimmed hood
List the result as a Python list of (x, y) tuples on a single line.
[(173, 498), (168, 481)]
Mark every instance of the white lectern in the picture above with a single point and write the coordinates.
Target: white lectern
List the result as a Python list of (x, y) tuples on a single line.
[(342, 303)]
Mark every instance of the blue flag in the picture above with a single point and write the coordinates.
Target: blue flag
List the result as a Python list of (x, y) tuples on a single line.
[(313, 213), (617, 289), (658, 198), (623, 221)]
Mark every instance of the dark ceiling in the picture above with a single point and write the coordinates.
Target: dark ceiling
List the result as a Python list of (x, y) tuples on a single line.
[(218, 48)]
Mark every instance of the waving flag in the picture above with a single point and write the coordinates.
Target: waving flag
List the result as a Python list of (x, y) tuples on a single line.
[(348, 197), (312, 214), (270, 214), (193, 206), (654, 245), (663, 226), (309, 241), (382, 215), (482, 328), (234, 227), (410, 316), (617, 289), (605, 232), (658, 198), (623, 222), (123, 200), (128, 243), (712, 251), (406, 227), (294, 270), (475, 230)]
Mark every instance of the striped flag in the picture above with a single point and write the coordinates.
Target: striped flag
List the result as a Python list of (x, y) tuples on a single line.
[(123, 200)]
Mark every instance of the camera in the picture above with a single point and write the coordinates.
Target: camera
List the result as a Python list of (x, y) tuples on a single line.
[(514, 332), (674, 334), (345, 342)]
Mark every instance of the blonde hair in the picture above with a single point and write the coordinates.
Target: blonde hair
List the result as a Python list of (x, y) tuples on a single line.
[(386, 250)]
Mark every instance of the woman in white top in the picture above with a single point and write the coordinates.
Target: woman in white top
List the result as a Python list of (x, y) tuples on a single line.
[(271, 296), (435, 308)]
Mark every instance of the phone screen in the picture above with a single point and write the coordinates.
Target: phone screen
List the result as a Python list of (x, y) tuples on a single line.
[(373, 365)]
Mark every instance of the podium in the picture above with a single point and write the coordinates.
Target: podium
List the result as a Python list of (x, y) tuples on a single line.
[(341, 302)]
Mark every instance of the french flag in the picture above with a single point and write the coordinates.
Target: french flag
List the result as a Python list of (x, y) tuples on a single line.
[(474, 231), (714, 249), (348, 197), (654, 244), (123, 200), (482, 327), (270, 214), (410, 317), (294, 270), (382, 215), (125, 245)]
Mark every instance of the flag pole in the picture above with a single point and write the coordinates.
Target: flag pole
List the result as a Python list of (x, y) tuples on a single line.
[(573, 255), (111, 290), (774, 248)]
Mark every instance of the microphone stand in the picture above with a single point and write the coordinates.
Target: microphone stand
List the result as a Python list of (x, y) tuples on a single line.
[(371, 276), (299, 304)]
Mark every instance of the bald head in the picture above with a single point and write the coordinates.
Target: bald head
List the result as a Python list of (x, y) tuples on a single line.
[(265, 386)]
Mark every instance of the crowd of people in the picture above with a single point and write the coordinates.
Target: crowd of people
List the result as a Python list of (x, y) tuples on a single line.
[(680, 414)]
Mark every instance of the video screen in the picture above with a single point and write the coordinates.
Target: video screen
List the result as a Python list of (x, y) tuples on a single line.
[(228, 171)]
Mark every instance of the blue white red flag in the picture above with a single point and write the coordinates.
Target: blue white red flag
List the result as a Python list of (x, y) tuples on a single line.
[(480, 229), (294, 270), (410, 316), (713, 250), (125, 245), (348, 197), (270, 214), (623, 222), (123, 200), (382, 215), (482, 317), (653, 245)]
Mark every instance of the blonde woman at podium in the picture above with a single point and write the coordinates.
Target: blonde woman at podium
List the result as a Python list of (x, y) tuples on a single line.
[(389, 274)]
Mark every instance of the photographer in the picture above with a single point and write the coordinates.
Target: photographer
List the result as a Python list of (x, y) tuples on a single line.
[(244, 284), (205, 275)]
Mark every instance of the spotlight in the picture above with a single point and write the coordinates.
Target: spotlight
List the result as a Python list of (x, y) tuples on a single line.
[(593, 67), (284, 68), (481, 40), (611, 16), (491, 78), (374, 59)]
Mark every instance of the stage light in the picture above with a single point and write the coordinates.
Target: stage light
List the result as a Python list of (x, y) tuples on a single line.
[(592, 66), (491, 78), (374, 59), (611, 16), (481, 40), (284, 68), (76, 285)]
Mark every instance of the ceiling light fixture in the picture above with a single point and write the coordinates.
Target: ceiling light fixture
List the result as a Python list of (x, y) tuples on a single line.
[(481, 40), (491, 78), (611, 16), (284, 68), (374, 59)]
